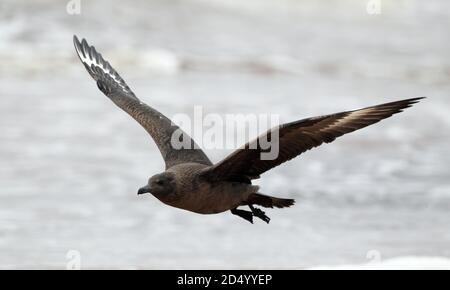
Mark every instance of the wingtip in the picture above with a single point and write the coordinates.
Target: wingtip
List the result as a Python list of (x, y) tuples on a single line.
[(93, 61), (86, 51), (405, 103), (413, 101), (81, 45), (77, 45), (417, 99), (76, 41)]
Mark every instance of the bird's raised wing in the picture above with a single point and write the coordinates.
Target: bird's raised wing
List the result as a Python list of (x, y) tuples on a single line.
[(160, 128), (297, 137)]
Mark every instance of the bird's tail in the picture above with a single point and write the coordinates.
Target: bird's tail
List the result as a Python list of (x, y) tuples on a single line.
[(269, 201)]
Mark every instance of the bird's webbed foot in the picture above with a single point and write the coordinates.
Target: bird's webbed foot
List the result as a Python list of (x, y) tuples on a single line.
[(259, 213), (245, 214)]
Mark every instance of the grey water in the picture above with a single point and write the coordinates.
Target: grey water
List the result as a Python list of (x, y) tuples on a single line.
[(71, 162)]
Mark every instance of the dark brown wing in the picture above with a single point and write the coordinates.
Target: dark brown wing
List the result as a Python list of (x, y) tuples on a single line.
[(297, 137), (160, 128)]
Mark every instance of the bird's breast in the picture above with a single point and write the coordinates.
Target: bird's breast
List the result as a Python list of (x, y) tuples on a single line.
[(207, 198)]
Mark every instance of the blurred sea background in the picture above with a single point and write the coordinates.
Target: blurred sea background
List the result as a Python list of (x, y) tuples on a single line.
[(71, 162)]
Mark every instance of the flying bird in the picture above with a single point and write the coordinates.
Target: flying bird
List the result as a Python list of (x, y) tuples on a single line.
[(191, 181)]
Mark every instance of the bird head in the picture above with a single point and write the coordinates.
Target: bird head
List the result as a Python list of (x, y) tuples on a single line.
[(159, 184)]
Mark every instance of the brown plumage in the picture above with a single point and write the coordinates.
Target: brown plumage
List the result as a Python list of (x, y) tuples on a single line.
[(300, 136), (156, 124), (191, 181)]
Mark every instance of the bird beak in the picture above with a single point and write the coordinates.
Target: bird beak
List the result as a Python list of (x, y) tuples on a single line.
[(143, 190)]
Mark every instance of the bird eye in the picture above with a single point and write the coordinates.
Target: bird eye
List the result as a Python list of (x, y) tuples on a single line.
[(159, 182)]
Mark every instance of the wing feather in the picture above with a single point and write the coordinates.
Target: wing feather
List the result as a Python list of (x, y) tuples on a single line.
[(298, 137), (160, 128)]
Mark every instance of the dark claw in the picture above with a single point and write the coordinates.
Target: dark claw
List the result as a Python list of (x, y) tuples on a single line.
[(260, 214), (245, 214)]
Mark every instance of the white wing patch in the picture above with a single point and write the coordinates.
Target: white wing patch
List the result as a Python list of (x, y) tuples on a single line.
[(89, 56), (352, 116)]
